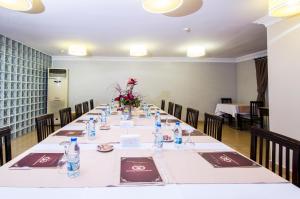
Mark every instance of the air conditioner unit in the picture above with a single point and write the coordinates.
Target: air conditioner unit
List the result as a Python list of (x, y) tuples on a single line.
[(58, 91)]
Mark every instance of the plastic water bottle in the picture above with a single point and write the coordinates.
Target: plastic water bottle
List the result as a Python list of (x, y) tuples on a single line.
[(112, 105), (178, 135), (148, 112), (73, 162), (108, 110), (144, 106), (158, 137), (91, 129), (103, 118), (157, 119)]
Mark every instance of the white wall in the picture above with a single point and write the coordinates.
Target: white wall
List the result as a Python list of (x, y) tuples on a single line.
[(246, 82), (284, 77), (198, 85)]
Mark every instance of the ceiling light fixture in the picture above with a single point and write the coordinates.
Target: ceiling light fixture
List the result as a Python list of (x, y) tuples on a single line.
[(138, 51), (161, 6), (18, 5), (284, 8), (77, 50), (196, 51)]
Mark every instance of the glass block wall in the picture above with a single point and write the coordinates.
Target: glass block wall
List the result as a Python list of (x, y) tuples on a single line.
[(23, 85)]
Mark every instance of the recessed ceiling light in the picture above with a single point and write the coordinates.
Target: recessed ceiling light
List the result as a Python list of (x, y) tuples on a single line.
[(187, 30), (18, 5), (284, 8), (77, 50), (161, 6), (196, 51), (138, 51)]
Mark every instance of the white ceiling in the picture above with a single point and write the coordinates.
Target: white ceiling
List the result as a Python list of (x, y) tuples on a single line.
[(109, 27)]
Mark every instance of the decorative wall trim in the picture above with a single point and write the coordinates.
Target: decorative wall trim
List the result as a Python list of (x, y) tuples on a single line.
[(163, 59), (252, 56), (268, 20), (145, 59)]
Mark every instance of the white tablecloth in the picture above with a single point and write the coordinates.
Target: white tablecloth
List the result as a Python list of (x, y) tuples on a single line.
[(232, 109), (174, 191)]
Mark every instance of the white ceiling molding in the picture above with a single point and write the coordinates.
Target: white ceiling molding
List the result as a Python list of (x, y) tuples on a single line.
[(251, 56), (268, 20), (145, 59), (164, 59)]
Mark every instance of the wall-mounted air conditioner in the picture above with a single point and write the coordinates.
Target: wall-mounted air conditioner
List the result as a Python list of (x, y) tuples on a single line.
[(58, 91)]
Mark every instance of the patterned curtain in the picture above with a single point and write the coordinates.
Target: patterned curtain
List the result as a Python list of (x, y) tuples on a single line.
[(261, 65)]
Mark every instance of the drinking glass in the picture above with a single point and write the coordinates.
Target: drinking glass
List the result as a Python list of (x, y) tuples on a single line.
[(189, 130), (62, 162)]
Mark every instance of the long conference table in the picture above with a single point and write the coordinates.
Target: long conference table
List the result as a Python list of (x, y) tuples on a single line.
[(184, 172)]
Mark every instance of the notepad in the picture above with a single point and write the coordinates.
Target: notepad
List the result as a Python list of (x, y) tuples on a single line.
[(42, 160), (74, 133), (139, 170), (227, 159)]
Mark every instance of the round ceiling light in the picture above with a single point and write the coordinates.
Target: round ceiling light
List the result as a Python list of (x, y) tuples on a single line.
[(77, 50), (18, 5), (138, 51), (195, 51), (284, 8), (161, 6)]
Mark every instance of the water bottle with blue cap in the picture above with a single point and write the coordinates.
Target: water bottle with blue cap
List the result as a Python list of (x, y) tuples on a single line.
[(177, 134), (73, 162), (157, 118), (91, 129), (158, 137)]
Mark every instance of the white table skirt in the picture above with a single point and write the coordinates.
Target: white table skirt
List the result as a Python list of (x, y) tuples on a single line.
[(174, 191), (231, 109), (207, 191)]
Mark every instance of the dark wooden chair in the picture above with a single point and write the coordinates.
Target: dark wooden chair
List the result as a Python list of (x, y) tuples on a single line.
[(171, 108), (65, 116), (5, 138), (213, 126), (163, 102), (253, 118), (91, 104), (264, 117), (265, 143), (44, 126), (85, 107), (178, 111), (192, 116), (225, 100), (78, 110)]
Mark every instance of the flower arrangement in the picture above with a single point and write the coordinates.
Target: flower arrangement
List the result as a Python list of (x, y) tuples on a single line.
[(127, 97)]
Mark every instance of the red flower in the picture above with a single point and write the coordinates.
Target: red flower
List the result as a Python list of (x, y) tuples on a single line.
[(130, 96), (118, 98), (132, 81)]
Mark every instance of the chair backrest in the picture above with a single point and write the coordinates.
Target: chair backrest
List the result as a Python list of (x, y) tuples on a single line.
[(178, 111), (213, 126), (91, 104), (163, 102), (277, 145), (226, 100), (78, 110), (44, 126), (65, 116), (264, 117), (254, 108), (5, 136), (192, 116), (85, 107), (171, 108)]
